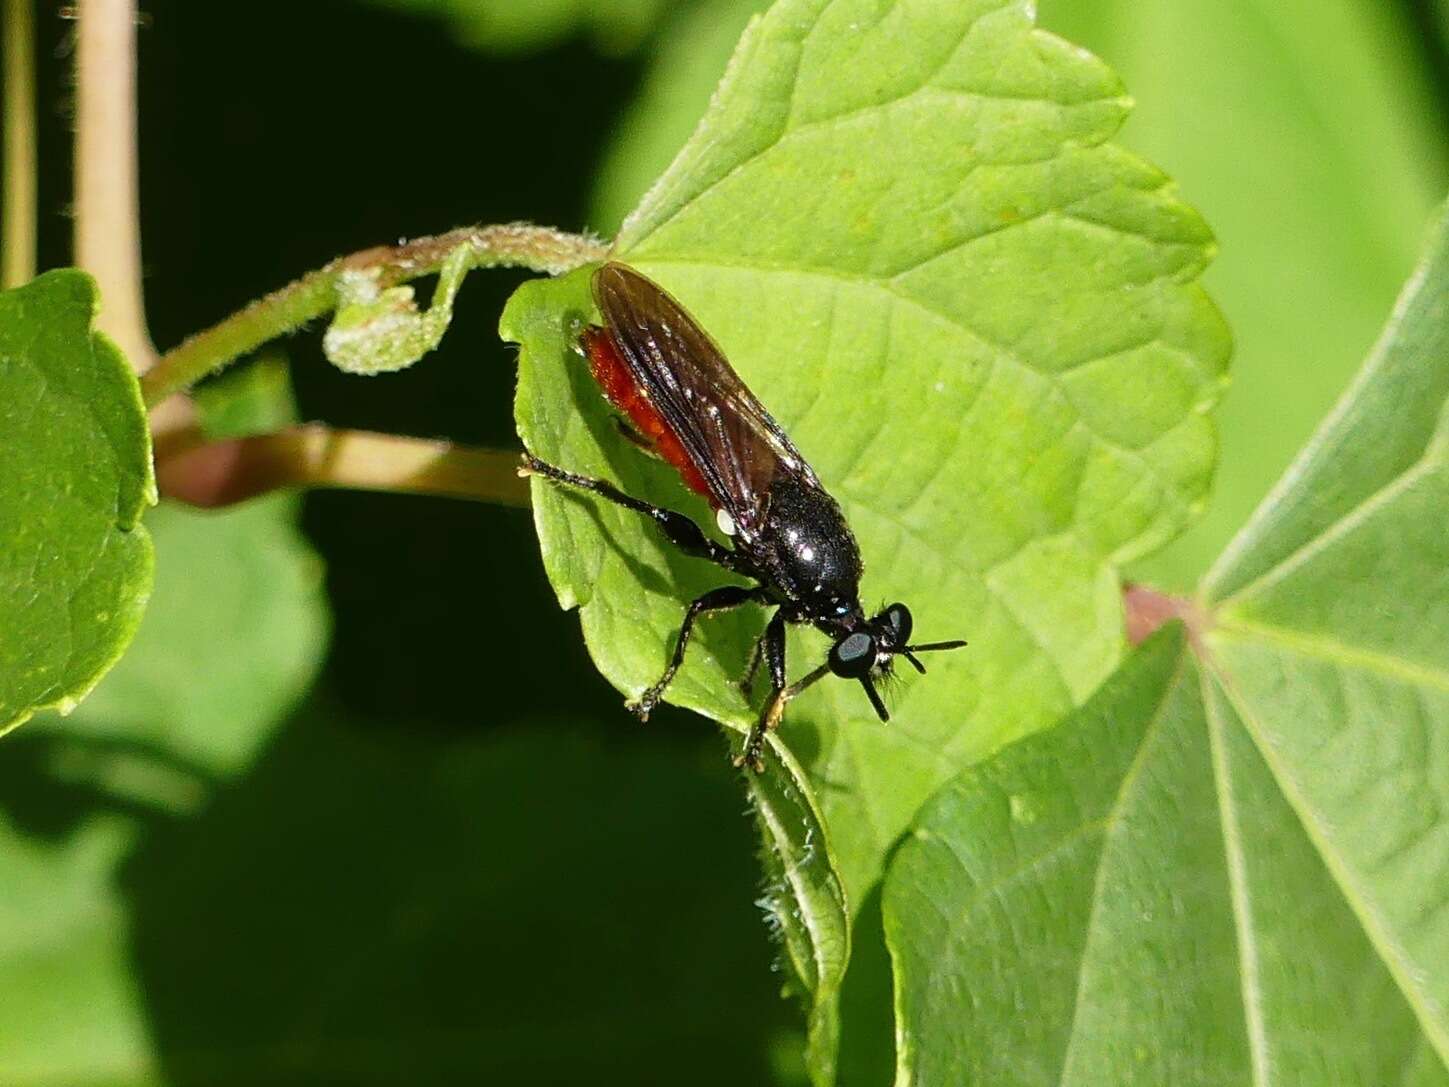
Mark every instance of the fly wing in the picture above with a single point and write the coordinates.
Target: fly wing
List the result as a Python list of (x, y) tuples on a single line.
[(726, 432)]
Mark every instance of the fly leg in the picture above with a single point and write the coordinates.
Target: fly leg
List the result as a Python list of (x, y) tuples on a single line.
[(757, 654), (730, 596), (771, 643), (679, 529), (753, 754)]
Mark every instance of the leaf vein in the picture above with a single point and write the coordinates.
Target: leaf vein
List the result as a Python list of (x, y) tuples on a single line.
[(1356, 516), (1249, 981), (1112, 821), (1400, 968)]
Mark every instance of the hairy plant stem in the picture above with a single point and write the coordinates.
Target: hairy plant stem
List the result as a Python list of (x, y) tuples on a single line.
[(107, 236), (520, 245), (210, 474), (17, 236)]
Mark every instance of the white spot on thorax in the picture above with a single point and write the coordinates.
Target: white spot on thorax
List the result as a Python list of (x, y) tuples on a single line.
[(725, 521), (808, 554)]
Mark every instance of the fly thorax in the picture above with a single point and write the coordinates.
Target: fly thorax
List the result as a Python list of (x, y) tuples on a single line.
[(813, 556)]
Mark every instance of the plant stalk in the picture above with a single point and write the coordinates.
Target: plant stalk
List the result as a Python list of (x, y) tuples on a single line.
[(211, 474), (541, 249), (18, 232), (107, 202)]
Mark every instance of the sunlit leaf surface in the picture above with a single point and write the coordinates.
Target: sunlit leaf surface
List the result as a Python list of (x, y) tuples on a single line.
[(1232, 865)]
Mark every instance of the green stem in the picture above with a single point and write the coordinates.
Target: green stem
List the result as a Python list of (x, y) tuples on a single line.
[(18, 232), (315, 294)]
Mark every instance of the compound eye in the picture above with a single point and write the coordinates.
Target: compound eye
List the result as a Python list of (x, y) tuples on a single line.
[(853, 656), (899, 618)]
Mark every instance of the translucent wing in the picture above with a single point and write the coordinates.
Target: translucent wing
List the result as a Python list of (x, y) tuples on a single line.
[(728, 436)]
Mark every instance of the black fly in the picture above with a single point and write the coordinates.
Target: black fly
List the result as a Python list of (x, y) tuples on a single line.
[(788, 535)]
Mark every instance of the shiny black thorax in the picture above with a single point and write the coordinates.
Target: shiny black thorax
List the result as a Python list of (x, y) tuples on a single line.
[(806, 557)]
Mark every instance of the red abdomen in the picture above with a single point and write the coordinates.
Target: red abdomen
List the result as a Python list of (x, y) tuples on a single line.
[(621, 390)]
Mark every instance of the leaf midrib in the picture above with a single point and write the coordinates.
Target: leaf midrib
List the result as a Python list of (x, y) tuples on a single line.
[(1112, 820), (1334, 652), (1330, 534), (1249, 981)]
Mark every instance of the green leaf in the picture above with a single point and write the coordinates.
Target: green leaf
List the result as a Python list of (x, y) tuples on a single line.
[(1269, 107), (75, 474), (499, 26), (805, 901), (1136, 879), (232, 637), (1274, 89), (921, 203), (1332, 629), (1260, 838)]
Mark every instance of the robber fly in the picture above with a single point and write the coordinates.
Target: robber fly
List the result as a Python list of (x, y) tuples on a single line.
[(662, 371)]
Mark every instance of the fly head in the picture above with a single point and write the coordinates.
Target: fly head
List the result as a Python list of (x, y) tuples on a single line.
[(867, 650)]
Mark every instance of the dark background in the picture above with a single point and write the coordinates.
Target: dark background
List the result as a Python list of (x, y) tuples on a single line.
[(461, 859)]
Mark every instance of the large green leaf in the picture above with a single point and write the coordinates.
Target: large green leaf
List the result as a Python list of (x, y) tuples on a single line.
[(233, 635), (977, 318), (75, 474), (1327, 102), (1232, 868), (1332, 632), (1136, 880), (1272, 89)]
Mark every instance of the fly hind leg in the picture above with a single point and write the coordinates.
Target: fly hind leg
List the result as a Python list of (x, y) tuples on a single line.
[(752, 666), (677, 528)]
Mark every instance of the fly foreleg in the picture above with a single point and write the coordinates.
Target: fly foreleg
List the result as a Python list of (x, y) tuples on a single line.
[(753, 754), (757, 656)]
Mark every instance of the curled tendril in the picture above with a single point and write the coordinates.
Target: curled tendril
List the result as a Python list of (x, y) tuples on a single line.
[(379, 331)]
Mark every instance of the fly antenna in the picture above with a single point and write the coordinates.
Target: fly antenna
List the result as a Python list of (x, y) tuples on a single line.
[(917, 665), (932, 647)]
